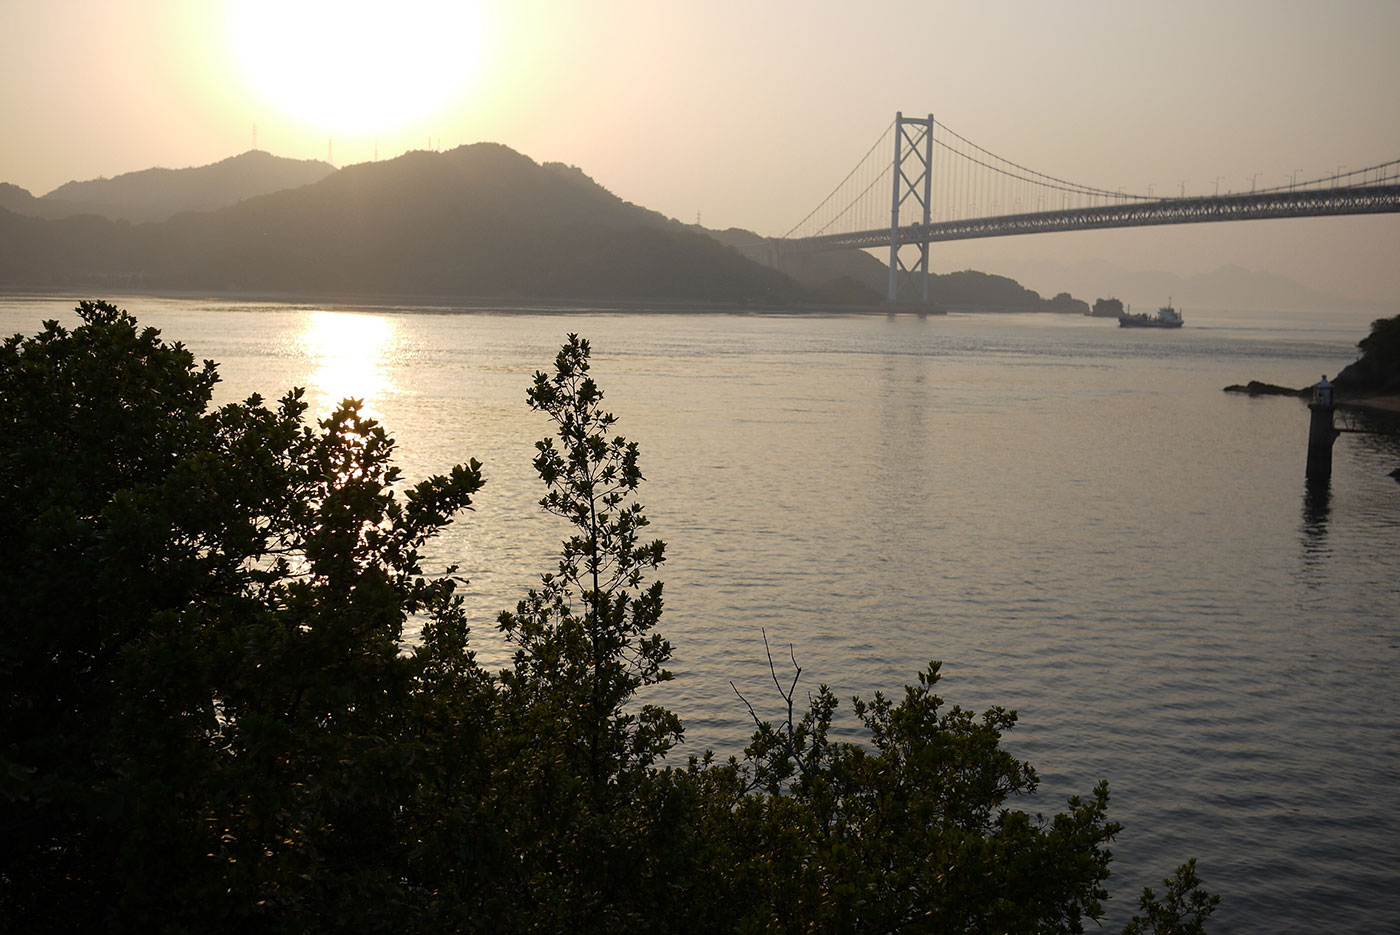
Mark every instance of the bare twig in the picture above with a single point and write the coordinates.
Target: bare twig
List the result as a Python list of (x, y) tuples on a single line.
[(753, 714), (791, 690)]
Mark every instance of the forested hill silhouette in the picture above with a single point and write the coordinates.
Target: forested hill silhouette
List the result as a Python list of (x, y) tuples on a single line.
[(19, 200), (479, 220), (861, 274), (158, 194)]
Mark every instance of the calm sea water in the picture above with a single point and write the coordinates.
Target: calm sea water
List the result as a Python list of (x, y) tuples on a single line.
[(1071, 516)]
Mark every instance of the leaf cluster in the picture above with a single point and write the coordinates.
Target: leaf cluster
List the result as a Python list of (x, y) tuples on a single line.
[(909, 831), (207, 705)]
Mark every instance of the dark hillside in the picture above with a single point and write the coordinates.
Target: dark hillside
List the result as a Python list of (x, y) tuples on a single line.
[(479, 220), (14, 198), (158, 194), (969, 288), (19, 200), (863, 277), (83, 250)]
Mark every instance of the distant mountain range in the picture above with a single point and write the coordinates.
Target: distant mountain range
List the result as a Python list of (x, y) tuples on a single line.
[(159, 194), (480, 220), (477, 221)]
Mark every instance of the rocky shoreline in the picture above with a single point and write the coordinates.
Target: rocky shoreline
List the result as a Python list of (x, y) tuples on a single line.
[(1259, 388), (1380, 402), (1369, 387), (1369, 383)]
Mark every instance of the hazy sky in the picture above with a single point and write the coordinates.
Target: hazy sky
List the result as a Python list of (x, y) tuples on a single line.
[(748, 113)]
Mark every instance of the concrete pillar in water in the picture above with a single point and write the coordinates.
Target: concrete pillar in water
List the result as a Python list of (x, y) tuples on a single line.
[(1321, 433)]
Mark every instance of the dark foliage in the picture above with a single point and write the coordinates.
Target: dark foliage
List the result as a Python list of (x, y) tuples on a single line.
[(1380, 354), (212, 722), (207, 720), (1378, 369), (1184, 912)]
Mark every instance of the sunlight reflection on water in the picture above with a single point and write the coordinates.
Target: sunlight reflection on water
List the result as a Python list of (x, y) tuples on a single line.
[(351, 356)]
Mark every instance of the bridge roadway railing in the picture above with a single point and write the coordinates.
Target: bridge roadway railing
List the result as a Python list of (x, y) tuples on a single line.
[(1361, 199)]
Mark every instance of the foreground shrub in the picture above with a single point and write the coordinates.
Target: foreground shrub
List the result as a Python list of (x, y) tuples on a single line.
[(212, 723)]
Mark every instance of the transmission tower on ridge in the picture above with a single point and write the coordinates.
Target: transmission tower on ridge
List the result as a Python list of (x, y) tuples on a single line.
[(913, 144)]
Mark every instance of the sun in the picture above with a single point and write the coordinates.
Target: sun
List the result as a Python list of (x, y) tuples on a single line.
[(355, 66)]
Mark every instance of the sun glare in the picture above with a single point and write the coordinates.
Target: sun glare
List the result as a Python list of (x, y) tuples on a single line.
[(353, 66), (353, 356)]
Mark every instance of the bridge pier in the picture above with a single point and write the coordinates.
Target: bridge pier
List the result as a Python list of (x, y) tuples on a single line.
[(919, 187)]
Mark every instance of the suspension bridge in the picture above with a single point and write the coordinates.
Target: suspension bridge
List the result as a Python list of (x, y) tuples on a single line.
[(967, 192)]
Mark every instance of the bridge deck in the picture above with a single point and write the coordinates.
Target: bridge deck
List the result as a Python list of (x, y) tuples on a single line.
[(1362, 199)]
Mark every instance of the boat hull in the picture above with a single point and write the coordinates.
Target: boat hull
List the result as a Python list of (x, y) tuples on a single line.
[(1143, 321)]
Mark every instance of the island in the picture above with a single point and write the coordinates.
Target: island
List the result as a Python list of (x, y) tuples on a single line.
[(1106, 308)]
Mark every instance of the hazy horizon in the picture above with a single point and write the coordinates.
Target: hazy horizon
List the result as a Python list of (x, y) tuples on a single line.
[(746, 116)]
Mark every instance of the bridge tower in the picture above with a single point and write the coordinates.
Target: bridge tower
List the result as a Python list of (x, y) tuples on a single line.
[(913, 144)]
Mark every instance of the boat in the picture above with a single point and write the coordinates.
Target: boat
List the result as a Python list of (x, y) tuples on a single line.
[(1166, 317)]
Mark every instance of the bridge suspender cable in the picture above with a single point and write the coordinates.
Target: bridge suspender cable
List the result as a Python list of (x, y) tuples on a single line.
[(839, 185)]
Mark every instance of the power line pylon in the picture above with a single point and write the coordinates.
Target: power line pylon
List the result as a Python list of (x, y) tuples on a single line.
[(913, 144)]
